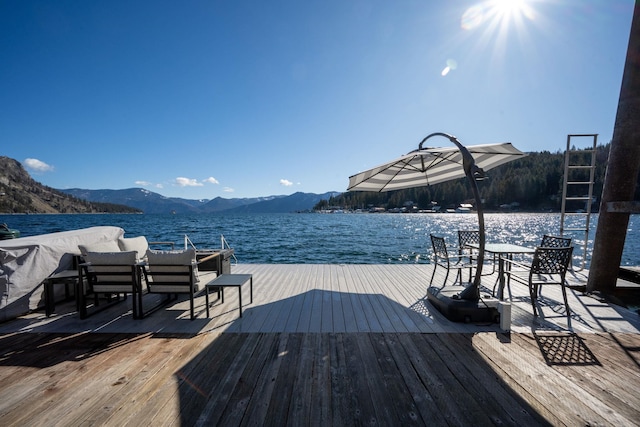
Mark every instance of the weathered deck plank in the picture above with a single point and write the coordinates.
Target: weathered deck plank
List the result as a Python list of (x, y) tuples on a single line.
[(316, 379)]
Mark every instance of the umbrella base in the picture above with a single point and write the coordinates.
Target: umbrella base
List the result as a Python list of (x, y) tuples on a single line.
[(462, 310)]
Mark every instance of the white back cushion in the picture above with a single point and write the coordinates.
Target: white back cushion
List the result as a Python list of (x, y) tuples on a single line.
[(184, 257), (160, 260), (104, 246), (138, 244), (108, 262)]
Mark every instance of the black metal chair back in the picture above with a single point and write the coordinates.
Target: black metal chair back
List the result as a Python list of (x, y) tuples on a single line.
[(549, 241), (441, 257), (468, 236), (439, 249), (551, 260), (472, 236)]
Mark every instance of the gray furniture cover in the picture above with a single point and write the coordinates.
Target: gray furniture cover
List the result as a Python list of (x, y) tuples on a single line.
[(27, 261)]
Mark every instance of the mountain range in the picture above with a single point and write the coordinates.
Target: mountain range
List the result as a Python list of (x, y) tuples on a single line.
[(20, 193), (154, 203)]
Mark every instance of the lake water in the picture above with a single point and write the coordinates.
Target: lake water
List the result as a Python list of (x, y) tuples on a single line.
[(324, 238)]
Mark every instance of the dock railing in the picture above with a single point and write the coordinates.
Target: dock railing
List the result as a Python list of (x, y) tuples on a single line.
[(223, 245)]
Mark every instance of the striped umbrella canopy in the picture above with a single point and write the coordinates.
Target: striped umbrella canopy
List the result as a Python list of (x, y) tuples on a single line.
[(429, 166)]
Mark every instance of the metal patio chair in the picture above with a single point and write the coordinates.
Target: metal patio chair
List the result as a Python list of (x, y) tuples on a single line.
[(548, 241), (472, 236), (442, 257), (548, 267)]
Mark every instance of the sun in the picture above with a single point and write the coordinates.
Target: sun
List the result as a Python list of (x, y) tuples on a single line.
[(506, 7), (497, 13), (510, 9)]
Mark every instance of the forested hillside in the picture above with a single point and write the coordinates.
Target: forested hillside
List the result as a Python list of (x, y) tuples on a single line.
[(19, 193), (533, 183)]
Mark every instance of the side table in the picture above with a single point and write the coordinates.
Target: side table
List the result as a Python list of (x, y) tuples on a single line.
[(233, 280), (66, 278)]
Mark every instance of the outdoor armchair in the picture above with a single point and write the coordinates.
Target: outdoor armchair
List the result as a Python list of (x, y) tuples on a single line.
[(108, 273), (171, 273)]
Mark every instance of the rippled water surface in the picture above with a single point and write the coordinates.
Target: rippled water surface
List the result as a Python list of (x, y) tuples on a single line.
[(324, 238)]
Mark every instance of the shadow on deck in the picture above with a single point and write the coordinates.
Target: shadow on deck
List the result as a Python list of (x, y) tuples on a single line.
[(484, 378)]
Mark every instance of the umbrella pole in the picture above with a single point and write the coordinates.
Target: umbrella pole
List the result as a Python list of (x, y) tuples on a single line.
[(473, 173), (472, 292)]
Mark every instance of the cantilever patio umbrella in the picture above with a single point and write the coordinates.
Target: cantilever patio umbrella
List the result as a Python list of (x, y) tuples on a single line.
[(428, 166)]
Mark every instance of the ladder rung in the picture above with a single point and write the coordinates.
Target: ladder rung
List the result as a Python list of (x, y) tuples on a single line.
[(577, 198), (580, 167), (577, 213), (579, 182), (575, 229)]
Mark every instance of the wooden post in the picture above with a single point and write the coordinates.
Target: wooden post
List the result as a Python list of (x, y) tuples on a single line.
[(622, 172)]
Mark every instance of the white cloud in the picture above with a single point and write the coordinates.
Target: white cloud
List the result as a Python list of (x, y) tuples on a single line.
[(149, 184), (187, 182), (286, 182), (37, 165), (228, 190), (211, 180)]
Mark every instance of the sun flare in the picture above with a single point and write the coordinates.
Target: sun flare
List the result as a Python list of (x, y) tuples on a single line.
[(499, 28)]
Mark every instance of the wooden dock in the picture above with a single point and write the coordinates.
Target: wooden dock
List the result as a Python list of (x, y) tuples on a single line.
[(325, 345)]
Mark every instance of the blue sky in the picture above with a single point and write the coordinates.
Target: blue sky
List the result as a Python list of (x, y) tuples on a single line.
[(200, 99)]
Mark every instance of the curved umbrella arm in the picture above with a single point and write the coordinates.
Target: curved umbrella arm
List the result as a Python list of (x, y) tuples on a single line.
[(473, 173)]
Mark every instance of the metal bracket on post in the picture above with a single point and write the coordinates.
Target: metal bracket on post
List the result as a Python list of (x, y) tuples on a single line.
[(623, 207)]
